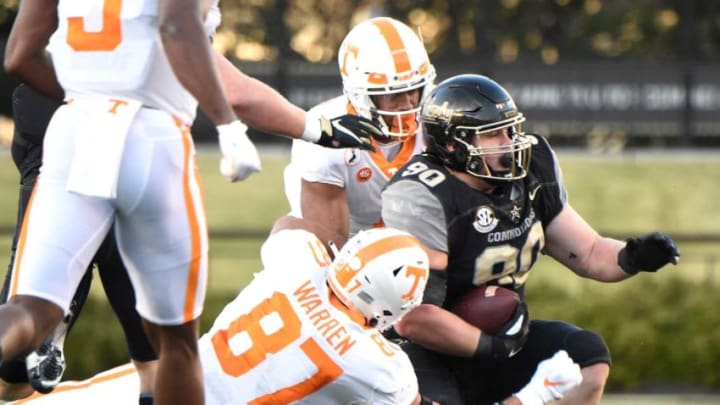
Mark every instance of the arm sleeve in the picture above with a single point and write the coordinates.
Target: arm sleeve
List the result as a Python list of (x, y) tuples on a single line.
[(409, 206)]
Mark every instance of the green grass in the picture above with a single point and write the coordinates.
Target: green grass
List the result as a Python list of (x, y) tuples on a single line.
[(620, 196), (637, 195), (253, 204)]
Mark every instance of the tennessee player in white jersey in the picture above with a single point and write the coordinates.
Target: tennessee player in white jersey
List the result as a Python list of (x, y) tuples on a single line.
[(360, 174), (120, 150), (385, 71), (305, 330)]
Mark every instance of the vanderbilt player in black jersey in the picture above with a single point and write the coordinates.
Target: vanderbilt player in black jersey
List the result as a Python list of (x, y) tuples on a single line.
[(485, 199)]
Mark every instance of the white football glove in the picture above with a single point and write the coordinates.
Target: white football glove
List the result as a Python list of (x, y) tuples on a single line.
[(240, 159), (552, 378)]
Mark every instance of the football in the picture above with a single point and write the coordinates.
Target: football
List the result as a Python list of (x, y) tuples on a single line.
[(488, 307)]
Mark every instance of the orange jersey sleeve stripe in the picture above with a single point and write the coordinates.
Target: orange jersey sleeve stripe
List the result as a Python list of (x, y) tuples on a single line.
[(192, 216), (346, 274), (385, 245), (396, 45)]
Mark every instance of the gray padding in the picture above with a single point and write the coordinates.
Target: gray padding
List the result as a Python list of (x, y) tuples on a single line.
[(411, 207)]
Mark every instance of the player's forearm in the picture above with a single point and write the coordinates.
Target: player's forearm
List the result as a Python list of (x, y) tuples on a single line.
[(275, 114), (25, 55), (440, 330), (327, 204), (574, 243), (602, 264), (37, 72), (190, 55), (258, 104), (597, 262)]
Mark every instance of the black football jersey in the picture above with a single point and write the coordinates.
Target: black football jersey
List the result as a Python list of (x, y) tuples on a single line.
[(489, 238)]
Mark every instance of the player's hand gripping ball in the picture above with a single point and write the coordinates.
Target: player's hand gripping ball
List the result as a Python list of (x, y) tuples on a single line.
[(488, 308)]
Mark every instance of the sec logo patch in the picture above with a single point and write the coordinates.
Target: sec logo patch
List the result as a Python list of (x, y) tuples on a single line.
[(363, 174), (485, 220)]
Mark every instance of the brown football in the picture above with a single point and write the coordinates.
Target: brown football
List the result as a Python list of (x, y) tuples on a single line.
[(488, 307)]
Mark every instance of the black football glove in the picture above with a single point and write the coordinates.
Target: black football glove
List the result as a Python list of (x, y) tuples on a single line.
[(508, 341), (347, 131), (392, 335), (648, 253)]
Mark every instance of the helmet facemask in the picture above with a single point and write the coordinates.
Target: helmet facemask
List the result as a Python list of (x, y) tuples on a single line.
[(403, 123), (380, 57), (514, 157)]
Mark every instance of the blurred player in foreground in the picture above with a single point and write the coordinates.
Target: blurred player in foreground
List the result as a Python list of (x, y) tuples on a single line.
[(385, 72), (484, 210), (43, 368), (252, 101), (120, 150), (307, 330)]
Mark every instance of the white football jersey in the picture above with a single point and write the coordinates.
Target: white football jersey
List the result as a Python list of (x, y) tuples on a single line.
[(287, 339), (361, 173), (284, 339), (113, 48)]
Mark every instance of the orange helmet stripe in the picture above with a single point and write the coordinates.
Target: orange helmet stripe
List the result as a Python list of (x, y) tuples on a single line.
[(395, 43), (373, 250)]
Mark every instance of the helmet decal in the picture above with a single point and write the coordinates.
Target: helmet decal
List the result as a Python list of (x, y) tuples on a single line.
[(381, 273), (363, 175), (395, 45)]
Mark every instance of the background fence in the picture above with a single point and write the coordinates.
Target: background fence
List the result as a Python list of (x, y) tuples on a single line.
[(608, 106)]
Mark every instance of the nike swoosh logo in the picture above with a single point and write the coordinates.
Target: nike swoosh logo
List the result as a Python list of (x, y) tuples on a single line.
[(345, 129), (550, 383), (534, 191)]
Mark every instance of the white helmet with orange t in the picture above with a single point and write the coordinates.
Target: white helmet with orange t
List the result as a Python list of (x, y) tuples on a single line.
[(382, 56), (382, 273)]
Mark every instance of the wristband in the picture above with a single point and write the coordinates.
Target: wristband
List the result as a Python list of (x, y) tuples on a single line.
[(312, 131), (528, 396), (484, 347), (622, 261)]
